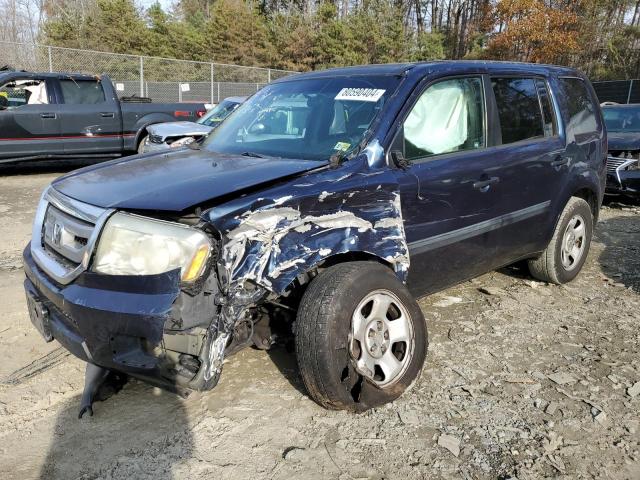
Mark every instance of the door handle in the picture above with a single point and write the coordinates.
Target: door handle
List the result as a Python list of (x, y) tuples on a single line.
[(560, 162), (47, 115), (484, 185), (107, 114)]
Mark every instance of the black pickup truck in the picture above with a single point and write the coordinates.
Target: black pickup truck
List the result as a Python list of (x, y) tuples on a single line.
[(60, 115)]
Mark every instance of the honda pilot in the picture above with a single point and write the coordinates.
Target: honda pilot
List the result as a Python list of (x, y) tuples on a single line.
[(320, 209)]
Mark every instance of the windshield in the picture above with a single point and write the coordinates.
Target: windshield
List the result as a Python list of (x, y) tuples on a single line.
[(622, 119), (306, 119), (218, 113)]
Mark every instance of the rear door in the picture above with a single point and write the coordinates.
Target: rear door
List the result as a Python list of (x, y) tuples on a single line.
[(89, 120), (533, 164), (29, 126)]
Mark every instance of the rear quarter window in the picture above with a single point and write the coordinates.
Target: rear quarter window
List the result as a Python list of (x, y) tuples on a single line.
[(582, 123)]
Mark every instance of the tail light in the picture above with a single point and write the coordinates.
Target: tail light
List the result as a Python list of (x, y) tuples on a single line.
[(181, 113), (200, 113)]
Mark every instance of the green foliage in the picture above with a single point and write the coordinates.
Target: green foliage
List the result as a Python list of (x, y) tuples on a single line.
[(293, 38), (378, 33), (237, 34), (428, 46)]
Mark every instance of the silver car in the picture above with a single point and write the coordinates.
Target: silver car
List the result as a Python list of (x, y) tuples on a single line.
[(162, 136)]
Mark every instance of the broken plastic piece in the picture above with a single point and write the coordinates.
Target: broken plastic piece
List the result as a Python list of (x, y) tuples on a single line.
[(94, 377)]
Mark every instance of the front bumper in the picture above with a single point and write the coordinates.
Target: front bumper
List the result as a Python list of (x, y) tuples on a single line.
[(626, 182), (116, 323), (623, 176)]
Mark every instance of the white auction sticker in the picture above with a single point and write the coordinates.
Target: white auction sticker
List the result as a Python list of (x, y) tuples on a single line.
[(360, 94)]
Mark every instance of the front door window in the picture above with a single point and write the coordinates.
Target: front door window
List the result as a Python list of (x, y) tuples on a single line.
[(448, 117), (20, 92)]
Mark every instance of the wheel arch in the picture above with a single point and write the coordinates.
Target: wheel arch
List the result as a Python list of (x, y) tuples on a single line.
[(302, 280), (591, 197), (587, 185), (141, 125)]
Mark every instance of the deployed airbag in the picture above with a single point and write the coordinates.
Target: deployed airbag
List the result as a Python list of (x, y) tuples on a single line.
[(438, 122)]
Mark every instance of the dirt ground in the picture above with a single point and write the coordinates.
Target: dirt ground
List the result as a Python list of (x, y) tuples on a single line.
[(523, 380)]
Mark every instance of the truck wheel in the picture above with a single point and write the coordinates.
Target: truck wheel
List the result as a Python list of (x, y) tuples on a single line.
[(141, 143), (567, 251), (361, 338)]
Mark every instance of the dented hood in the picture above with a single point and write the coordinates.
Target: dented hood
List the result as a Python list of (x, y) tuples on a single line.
[(174, 181)]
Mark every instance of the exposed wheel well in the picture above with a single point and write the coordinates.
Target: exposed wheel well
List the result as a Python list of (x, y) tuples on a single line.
[(296, 289)]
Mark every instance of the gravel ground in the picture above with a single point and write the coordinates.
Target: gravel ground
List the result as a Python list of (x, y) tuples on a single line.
[(523, 380)]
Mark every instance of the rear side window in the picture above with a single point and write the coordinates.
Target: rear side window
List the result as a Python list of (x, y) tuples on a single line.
[(519, 109), (82, 92), (448, 117), (582, 112)]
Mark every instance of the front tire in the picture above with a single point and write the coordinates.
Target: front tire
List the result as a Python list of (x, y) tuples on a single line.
[(567, 251), (361, 338), (142, 143)]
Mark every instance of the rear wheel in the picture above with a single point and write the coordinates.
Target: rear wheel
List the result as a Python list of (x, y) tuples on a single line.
[(361, 338), (567, 251)]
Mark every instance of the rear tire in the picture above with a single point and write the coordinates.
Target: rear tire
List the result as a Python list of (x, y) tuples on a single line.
[(567, 251), (348, 308)]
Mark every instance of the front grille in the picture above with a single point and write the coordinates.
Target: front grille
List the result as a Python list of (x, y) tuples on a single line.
[(155, 139), (64, 234), (613, 163)]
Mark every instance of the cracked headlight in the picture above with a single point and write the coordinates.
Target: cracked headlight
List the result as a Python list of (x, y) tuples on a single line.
[(135, 245)]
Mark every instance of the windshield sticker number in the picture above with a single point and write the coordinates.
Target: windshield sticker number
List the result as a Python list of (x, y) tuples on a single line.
[(342, 146), (360, 94)]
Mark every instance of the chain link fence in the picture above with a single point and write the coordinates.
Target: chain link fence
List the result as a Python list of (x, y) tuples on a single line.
[(618, 91), (161, 79)]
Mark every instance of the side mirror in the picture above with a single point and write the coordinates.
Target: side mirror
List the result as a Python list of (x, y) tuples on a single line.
[(398, 157)]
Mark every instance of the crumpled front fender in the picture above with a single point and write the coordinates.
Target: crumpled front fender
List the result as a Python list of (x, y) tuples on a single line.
[(271, 237)]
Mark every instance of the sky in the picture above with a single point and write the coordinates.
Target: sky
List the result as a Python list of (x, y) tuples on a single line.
[(165, 4)]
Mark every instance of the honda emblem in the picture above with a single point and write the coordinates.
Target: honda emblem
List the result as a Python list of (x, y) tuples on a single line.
[(56, 236)]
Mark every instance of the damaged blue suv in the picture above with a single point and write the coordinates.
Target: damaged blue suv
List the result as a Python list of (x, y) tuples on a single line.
[(321, 208)]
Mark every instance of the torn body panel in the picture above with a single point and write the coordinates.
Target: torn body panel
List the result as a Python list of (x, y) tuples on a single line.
[(269, 240)]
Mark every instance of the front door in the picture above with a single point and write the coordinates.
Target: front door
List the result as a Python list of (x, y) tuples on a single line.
[(449, 190), (29, 125)]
